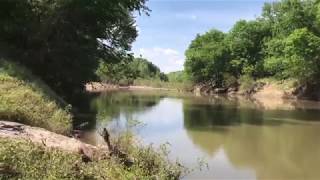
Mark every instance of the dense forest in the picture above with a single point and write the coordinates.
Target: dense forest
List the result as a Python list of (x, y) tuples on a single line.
[(283, 43)]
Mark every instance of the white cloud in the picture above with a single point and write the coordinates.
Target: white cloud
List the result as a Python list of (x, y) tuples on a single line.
[(194, 17), (166, 51), (179, 62), (186, 16), (137, 27), (166, 59)]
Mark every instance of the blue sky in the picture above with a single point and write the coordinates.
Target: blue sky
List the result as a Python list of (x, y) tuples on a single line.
[(173, 24)]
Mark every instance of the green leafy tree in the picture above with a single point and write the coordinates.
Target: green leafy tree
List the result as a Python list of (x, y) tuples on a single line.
[(296, 56), (178, 76), (288, 15), (126, 71), (245, 41), (116, 73), (145, 69), (62, 40), (283, 43), (206, 57)]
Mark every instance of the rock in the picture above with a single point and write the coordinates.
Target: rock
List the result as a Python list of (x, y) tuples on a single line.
[(50, 139), (232, 90)]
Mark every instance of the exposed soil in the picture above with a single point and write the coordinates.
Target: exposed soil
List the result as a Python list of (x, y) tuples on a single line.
[(100, 87), (269, 91)]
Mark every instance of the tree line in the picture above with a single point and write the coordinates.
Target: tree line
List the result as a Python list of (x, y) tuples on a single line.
[(282, 43), (128, 70)]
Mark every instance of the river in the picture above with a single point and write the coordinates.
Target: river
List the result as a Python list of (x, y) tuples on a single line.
[(237, 138)]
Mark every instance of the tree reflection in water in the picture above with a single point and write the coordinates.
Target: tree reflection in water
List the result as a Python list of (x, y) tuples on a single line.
[(276, 142), (256, 138)]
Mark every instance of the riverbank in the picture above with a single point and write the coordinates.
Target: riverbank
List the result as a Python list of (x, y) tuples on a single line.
[(35, 142), (262, 90), (100, 87), (265, 90), (35, 153)]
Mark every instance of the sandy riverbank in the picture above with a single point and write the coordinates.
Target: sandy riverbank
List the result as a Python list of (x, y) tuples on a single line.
[(100, 87)]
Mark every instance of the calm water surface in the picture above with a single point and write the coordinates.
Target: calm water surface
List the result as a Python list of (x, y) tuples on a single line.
[(239, 139)]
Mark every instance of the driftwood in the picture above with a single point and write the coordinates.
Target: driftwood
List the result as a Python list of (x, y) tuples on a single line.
[(114, 150)]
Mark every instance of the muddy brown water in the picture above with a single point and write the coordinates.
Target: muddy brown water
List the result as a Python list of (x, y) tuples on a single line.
[(237, 138)]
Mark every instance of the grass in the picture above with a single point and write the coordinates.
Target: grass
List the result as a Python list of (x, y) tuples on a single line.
[(25, 160), (25, 98)]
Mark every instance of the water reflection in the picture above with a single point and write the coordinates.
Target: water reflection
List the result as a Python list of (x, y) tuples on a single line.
[(239, 138), (221, 111), (282, 152), (111, 105)]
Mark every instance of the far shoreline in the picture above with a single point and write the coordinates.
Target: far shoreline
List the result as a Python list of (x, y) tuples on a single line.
[(269, 92), (97, 87)]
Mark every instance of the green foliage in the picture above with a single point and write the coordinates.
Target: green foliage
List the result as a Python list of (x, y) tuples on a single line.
[(297, 56), (126, 72), (61, 41), (288, 15), (282, 43), (145, 69), (30, 161), (111, 105), (206, 57), (302, 55), (25, 98), (116, 73), (178, 76), (245, 41)]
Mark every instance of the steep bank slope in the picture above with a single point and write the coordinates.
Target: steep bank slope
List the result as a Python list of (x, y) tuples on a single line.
[(288, 89), (25, 98), (264, 89)]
